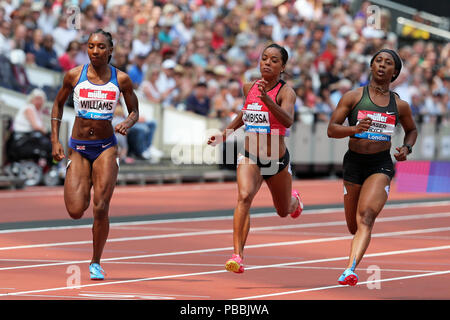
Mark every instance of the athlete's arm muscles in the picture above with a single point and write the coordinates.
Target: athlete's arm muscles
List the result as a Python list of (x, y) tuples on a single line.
[(131, 101), (58, 108), (409, 126), (285, 111), (343, 109)]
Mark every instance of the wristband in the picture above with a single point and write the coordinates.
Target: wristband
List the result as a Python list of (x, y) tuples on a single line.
[(409, 147)]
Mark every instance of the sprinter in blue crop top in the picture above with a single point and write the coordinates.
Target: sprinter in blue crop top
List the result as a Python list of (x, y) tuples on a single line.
[(92, 159)]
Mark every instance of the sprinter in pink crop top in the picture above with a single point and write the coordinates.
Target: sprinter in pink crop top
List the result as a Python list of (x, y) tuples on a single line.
[(267, 112)]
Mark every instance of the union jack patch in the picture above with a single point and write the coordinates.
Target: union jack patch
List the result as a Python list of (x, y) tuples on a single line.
[(81, 147)]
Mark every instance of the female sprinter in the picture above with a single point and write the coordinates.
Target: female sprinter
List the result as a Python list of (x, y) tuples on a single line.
[(93, 147), (373, 112), (268, 110)]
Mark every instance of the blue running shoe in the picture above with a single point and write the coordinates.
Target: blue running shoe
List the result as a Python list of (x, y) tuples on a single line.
[(96, 272), (348, 278)]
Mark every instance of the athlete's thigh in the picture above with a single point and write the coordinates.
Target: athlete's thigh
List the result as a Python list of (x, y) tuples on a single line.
[(104, 174), (280, 186), (78, 182), (351, 199), (374, 194), (249, 179)]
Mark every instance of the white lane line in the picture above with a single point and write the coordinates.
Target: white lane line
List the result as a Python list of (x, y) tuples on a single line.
[(225, 231), (247, 265), (437, 273), (228, 217), (264, 245), (396, 252)]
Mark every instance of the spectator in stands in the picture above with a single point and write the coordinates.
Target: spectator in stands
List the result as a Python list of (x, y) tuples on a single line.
[(238, 51), (235, 96), (67, 60), (46, 57), (47, 19), (6, 44), (30, 118), (343, 86), (219, 103), (324, 107), (416, 106), (82, 57), (20, 37), (198, 102), (137, 70), (149, 89), (30, 135), (120, 58), (62, 35), (182, 89), (34, 45), (140, 140), (141, 44), (166, 82)]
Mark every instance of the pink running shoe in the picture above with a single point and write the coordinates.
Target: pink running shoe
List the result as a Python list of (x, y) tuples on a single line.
[(299, 209), (235, 264)]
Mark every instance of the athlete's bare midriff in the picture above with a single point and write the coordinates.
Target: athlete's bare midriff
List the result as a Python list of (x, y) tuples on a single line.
[(366, 146), (89, 129), (265, 146)]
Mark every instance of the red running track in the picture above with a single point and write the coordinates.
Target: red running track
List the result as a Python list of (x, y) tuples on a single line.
[(182, 257)]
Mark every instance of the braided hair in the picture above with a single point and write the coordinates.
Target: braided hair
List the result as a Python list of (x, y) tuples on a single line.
[(283, 51), (107, 35)]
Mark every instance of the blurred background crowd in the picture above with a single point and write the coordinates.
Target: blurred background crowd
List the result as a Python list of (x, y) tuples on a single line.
[(195, 54)]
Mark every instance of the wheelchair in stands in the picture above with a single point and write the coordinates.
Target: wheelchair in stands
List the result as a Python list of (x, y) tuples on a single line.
[(29, 157)]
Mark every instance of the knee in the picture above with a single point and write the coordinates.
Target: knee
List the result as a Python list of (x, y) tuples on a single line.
[(100, 209), (367, 218), (76, 209), (75, 213), (245, 198)]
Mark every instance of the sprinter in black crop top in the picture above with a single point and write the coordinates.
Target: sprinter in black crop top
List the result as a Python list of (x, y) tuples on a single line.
[(372, 112)]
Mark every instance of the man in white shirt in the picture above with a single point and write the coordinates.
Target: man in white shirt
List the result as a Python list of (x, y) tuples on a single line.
[(62, 36), (47, 19), (5, 40)]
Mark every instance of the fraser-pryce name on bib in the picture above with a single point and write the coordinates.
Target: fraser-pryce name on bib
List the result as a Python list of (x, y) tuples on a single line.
[(382, 127)]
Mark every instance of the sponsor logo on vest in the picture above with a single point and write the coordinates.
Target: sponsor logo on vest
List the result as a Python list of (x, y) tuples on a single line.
[(377, 117), (254, 106), (97, 94)]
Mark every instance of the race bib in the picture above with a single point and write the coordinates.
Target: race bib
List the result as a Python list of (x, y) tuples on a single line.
[(382, 127), (256, 121)]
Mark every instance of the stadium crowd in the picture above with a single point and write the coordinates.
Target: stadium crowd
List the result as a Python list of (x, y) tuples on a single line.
[(196, 54)]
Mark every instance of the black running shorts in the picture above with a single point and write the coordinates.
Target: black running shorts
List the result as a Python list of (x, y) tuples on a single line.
[(357, 167)]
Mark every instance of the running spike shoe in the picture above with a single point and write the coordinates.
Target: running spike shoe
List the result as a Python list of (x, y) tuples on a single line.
[(348, 277), (299, 209), (235, 264), (96, 272)]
